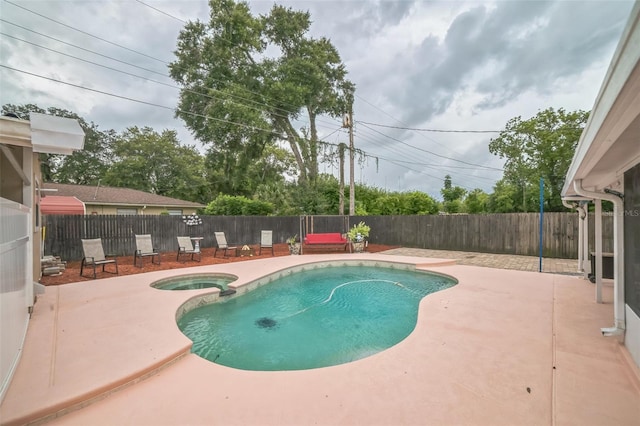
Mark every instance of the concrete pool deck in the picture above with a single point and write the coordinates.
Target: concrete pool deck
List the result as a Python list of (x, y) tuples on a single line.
[(501, 347)]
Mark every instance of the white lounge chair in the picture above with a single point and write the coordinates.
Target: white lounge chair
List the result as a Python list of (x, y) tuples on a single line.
[(94, 255), (144, 248), (221, 241), (266, 241), (186, 247)]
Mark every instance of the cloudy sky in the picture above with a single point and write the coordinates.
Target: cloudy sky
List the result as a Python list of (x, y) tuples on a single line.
[(443, 65)]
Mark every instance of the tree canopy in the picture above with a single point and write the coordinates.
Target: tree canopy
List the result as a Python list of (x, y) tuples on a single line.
[(247, 80), (156, 162), (541, 147), (83, 167)]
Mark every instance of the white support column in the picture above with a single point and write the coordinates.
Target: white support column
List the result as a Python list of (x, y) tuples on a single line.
[(586, 265), (580, 239), (618, 265), (598, 244)]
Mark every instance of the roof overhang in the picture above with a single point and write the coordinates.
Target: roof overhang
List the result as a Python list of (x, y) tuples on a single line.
[(55, 135), (126, 204), (610, 142), (57, 204)]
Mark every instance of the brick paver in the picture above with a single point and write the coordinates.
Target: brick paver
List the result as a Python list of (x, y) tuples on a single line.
[(491, 260)]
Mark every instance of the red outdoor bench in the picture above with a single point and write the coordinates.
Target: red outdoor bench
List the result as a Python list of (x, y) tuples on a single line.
[(325, 240)]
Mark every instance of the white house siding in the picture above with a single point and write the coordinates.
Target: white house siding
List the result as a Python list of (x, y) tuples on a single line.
[(15, 286)]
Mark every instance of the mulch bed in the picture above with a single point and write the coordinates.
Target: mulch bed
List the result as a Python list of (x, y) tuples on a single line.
[(168, 261)]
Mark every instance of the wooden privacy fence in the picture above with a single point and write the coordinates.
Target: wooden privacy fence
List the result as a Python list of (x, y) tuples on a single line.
[(63, 233), (509, 233)]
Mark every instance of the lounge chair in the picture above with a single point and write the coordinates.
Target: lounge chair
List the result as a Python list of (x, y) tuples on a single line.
[(186, 247), (94, 255), (266, 241), (221, 241), (144, 248)]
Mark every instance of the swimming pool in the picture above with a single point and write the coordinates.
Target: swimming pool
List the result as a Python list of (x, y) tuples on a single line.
[(310, 319)]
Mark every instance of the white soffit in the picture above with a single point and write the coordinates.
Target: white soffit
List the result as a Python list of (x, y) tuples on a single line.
[(55, 135), (609, 143)]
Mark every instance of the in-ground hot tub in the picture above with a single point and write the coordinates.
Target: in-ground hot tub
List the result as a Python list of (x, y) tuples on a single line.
[(196, 282)]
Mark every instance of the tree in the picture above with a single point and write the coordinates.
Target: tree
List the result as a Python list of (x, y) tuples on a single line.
[(83, 167), (541, 147), (238, 206), (476, 201), (452, 196), (157, 163), (246, 79), (503, 199), (278, 194), (269, 169)]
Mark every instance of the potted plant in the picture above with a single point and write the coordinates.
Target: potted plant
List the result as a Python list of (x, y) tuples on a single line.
[(358, 235), (294, 245)]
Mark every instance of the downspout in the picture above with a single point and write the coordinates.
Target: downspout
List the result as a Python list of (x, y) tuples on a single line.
[(583, 211), (586, 265), (618, 249), (577, 207)]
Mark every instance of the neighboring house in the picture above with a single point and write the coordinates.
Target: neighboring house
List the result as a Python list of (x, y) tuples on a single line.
[(107, 200), (606, 166), (21, 141)]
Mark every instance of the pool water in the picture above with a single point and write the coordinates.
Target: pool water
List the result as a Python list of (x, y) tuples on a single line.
[(311, 319), (195, 282)]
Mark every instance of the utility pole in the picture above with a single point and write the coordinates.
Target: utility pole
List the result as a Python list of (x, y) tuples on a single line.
[(348, 122), (341, 148)]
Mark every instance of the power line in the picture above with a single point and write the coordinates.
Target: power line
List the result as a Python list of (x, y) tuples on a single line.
[(163, 12), (427, 165), (427, 174), (139, 67), (84, 32), (144, 54), (77, 47), (438, 166), (140, 101), (429, 130), (371, 139), (408, 128), (430, 152), (118, 45), (399, 121), (396, 162), (128, 73), (148, 103)]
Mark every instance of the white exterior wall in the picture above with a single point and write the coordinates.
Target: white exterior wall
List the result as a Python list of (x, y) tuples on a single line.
[(632, 336), (16, 285)]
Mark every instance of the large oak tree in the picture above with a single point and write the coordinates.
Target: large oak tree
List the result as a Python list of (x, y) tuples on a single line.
[(247, 80)]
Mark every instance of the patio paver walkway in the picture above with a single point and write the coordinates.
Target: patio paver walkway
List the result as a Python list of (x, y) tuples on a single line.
[(492, 260)]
